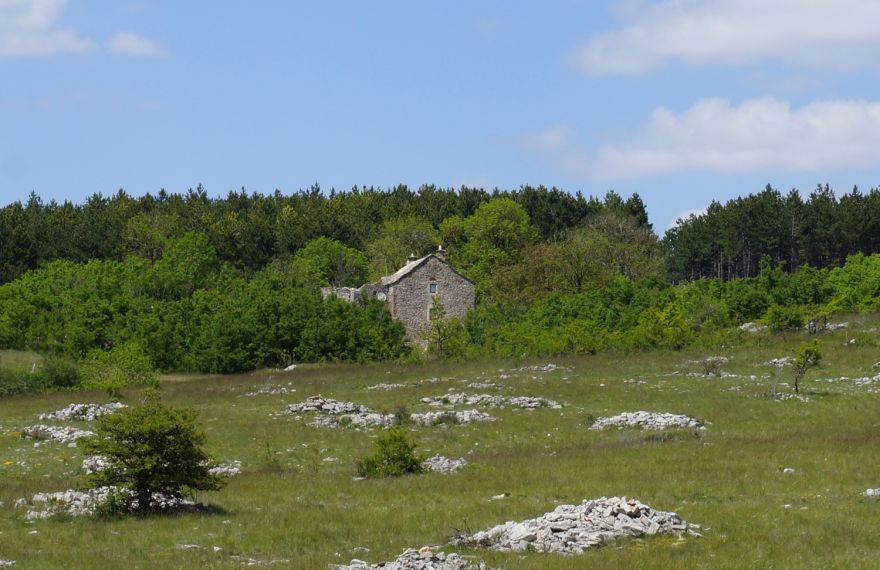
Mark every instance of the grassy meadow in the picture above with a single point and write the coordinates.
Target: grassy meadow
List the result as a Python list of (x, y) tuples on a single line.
[(297, 504)]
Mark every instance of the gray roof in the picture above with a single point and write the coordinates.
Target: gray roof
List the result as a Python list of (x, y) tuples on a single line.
[(411, 266)]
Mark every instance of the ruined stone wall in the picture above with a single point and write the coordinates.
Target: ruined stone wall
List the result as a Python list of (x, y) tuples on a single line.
[(410, 298)]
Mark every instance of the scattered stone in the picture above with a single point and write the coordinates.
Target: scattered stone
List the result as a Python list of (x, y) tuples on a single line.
[(482, 385), (783, 396), (83, 412), (647, 420), (62, 434), (189, 546), (751, 327), (384, 386), (788, 470), (876, 366), (95, 463), (458, 398), (229, 469), (571, 529), (270, 390), (836, 326), (781, 361), (334, 413), (290, 368), (7, 563), (873, 493), (423, 559), (84, 503), (441, 464), (550, 367), (458, 417)]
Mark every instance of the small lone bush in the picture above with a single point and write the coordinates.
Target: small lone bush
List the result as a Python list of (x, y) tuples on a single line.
[(395, 455), (155, 454), (807, 356)]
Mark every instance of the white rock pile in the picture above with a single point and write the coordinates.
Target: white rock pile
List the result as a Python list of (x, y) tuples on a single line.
[(61, 434), (83, 412), (647, 420), (459, 398), (270, 390), (571, 529), (873, 493), (457, 418), (423, 559), (84, 503), (7, 563), (228, 469), (781, 361), (95, 463), (549, 367), (335, 413), (385, 386), (440, 464)]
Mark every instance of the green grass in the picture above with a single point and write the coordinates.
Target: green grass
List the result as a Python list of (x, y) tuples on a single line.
[(292, 505), (19, 360)]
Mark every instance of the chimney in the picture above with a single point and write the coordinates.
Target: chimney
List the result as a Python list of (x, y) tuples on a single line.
[(441, 253)]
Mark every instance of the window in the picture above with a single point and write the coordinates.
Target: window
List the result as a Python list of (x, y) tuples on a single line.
[(432, 288)]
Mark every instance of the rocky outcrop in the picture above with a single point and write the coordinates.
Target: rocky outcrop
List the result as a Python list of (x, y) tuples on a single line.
[(60, 434), (647, 420), (85, 503), (334, 413), (423, 559), (454, 418), (83, 412), (458, 398), (570, 529), (441, 464)]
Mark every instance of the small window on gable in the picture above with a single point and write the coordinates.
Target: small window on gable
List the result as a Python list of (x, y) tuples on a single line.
[(432, 288)]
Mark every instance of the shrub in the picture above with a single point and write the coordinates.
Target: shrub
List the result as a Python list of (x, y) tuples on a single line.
[(395, 455), (806, 357), (155, 453), (782, 318), (112, 370)]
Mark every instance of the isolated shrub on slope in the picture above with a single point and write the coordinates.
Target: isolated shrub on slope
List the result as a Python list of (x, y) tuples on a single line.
[(152, 449)]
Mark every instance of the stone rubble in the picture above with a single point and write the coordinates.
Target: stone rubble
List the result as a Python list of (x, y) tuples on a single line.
[(423, 559), (458, 398), (873, 493), (85, 503), (441, 464), (751, 327), (83, 412), (550, 367), (62, 434), (647, 420), (228, 469), (458, 418), (94, 464), (270, 390), (334, 413), (572, 529), (384, 386), (7, 563), (781, 361)]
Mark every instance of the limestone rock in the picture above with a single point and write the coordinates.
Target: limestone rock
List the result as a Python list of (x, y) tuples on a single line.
[(647, 420)]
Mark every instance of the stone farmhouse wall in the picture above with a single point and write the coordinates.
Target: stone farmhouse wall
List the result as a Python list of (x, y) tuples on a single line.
[(411, 297), (409, 294)]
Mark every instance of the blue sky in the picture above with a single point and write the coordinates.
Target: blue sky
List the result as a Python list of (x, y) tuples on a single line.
[(680, 101)]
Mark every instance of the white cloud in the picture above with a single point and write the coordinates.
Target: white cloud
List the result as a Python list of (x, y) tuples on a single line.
[(759, 135), (685, 215), (30, 28), (127, 43), (558, 138), (816, 33)]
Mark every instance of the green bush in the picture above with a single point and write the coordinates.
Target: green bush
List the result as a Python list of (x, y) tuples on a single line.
[(395, 455), (781, 318), (152, 449)]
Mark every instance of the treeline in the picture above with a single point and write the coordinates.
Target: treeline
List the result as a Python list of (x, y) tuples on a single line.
[(248, 230), (729, 241)]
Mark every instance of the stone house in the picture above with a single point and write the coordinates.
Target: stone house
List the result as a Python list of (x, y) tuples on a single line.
[(409, 293)]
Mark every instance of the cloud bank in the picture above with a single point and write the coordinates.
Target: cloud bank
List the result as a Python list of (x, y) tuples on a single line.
[(814, 33), (714, 135), (127, 43), (31, 28)]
